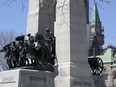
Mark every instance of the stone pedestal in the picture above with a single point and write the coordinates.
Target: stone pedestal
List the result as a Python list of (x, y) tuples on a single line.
[(71, 45), (99, 81), (41, 15), (26, 78)]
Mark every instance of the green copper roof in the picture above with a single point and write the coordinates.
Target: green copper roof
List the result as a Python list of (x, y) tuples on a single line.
[(114, 65), (107, 57), (95, 16)]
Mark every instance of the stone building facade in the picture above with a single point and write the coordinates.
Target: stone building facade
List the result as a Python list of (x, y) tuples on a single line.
[(106, 52)]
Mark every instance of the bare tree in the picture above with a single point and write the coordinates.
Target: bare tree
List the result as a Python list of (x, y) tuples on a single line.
[(5, 38), (10, 2), (61, 7)]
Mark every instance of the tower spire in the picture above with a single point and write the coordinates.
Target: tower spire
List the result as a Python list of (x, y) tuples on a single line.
[(96, 30), (95, 17)]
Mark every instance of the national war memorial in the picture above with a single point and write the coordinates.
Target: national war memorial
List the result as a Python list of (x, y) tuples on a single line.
[(54, 51)]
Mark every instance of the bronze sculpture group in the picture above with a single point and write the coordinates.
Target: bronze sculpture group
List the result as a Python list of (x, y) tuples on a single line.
[(36, 50)]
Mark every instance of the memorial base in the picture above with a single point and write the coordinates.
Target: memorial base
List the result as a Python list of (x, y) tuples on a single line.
[(99, 81), (26, 78), (74, 75)]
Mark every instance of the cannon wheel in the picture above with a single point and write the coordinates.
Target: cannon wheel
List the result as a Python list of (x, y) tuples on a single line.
[(97, 66)]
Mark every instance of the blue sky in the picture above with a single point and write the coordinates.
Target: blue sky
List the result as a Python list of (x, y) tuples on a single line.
[(13, 17)]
